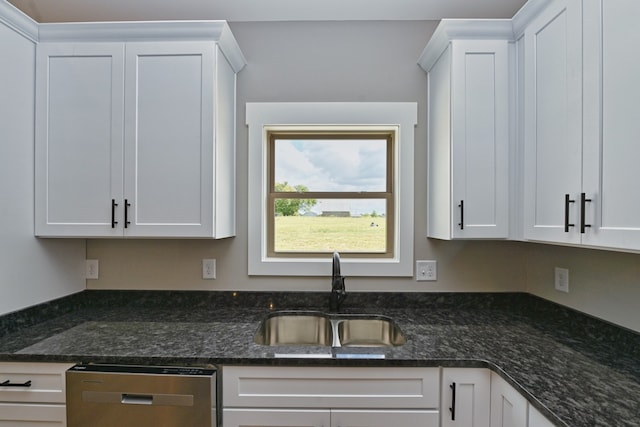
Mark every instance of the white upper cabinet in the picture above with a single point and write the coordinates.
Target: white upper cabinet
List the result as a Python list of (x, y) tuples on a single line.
[(467, 65), (580, 129), (79, 120), (611, 127), (136, 137), (553, 123)]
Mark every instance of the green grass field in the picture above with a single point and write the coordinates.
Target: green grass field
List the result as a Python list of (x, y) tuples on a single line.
[(327, 234)]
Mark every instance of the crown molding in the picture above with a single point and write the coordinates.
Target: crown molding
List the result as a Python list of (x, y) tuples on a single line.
[(530, 10), (136, 31), (460, 29), (18, 21)]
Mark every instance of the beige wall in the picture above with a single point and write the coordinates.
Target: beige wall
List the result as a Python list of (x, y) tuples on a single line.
[(364, 61), (316, 61), (604, 284)]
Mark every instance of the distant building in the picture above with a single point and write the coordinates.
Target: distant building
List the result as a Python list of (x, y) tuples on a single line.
[(336, 213)]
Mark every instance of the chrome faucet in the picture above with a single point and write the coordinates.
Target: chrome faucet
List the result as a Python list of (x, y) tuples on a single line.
[(338, 291)]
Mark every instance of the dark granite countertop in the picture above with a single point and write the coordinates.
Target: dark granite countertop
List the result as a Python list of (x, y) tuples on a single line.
[(577, 370)]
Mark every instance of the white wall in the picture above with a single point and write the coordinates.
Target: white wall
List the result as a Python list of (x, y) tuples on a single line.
[(316, 61), (31, 270)]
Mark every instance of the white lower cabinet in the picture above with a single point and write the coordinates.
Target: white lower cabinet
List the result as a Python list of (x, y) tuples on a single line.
[(248, 417), (383, 418), (466, 397), (536, 419), (258, 396), (330, 397), (508, 407), (32, 415), (34, 394)]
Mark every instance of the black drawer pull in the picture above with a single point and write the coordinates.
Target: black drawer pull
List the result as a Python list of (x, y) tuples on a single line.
[(583, 202), (113, 213), (126, 213), (452, 409), (8, 383), (461, 206), (567, 201)]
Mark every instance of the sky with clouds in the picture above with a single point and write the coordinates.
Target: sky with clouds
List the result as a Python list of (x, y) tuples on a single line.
[(334, 165)]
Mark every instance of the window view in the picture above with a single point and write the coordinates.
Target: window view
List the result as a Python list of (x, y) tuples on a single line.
[(330, 191)]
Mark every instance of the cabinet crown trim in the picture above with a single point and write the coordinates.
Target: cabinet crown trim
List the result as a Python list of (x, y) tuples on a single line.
[(18, 21), (525, 15), (457, 29), (137, 31)]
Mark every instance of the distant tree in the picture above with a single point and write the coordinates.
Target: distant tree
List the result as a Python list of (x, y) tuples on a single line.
[(292, 207), (374, 214)]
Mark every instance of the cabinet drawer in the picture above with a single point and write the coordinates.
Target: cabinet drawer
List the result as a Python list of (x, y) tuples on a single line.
[(343, 387), (13, 415), (47, 382), (374, 418)]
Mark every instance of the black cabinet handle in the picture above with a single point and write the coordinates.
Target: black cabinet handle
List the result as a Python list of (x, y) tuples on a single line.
[(567, 202), (452, 409), (583, 201), (126, 213), (461, 206), (8, 383), (113, 213)]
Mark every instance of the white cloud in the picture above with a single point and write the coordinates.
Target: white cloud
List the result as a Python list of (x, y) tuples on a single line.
[(338, 165)]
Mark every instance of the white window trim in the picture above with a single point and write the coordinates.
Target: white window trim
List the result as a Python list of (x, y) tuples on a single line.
[(260, 116)]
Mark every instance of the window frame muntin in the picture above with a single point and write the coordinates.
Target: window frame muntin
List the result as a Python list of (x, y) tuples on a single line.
[(330, 132)]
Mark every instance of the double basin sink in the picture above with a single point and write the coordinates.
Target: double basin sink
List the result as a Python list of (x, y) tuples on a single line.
[(290, 328)]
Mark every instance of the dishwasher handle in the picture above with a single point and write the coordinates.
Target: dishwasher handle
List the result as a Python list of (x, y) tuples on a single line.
[(157, 399), (136, 399)]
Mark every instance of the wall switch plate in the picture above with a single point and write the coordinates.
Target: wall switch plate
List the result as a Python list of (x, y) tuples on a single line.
[(208, 268), (562, 279), (426, 271), (92, 269)]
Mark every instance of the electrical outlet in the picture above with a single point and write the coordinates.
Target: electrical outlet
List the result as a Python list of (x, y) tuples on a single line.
[(208, 268), (426, 271), (92, 269), (562, 279)]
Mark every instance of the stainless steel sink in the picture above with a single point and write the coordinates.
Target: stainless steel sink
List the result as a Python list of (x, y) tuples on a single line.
[(295, 328), (291, 328), (369, 332)]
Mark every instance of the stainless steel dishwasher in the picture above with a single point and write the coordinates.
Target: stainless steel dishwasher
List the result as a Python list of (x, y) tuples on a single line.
[(140, 396)]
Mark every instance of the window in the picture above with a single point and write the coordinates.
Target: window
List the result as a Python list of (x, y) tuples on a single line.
[(331, 176), (330, 190)]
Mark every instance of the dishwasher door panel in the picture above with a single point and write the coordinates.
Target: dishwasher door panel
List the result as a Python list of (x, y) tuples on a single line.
[(99, 399)]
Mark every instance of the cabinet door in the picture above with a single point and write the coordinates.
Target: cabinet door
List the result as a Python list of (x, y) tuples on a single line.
[(79, 113), (536, 419), (331, 387), (276, 418), (611, 127), (32, 415), (508, 407), (553, 122), (381, 418), (480, 138), (169, 139), (472, 391), (468, 183)]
